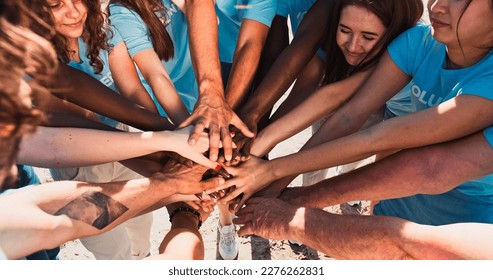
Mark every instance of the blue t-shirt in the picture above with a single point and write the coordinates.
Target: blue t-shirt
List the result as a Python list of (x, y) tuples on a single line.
[(104, 76), (295, 9), (230, 15), (419, 55), (137, 37)]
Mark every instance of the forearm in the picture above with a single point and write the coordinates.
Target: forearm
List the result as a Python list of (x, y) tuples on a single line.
[(246, 59), (169, 98), (349, 237), (60, 210), (204, 50), (277, 40), (309, 38), (415, 171), (245, 63), (73, 147), (83, 90), (379, 237), (276, 82), (320, 104)]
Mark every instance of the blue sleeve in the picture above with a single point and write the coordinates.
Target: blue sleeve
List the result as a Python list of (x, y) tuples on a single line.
[(262, 11), (282, 8), (409, 49), (132, 29), (481, 79), (488, 134), (116, 37)]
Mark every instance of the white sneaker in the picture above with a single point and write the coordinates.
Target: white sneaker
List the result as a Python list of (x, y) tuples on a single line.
[(228, 242)]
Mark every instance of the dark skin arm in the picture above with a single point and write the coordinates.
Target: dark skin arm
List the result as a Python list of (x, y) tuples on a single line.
[(277, 40), (79, 88), (310, 36)]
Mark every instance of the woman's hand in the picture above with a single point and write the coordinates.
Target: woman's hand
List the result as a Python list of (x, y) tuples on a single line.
[(179, 140), (249, 178)]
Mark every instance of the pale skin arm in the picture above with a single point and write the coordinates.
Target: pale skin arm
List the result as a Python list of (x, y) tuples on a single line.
[(453, 119), (364, 237), (156, 75), (126, 78), (245, 61), (74, 147), (85, 91), (43, 212), (211, 111), (320, 104), (420, 170)]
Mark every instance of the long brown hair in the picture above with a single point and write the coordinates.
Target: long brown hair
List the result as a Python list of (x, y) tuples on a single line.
[(95, 35), (396, 15), (147, 9), (24, 55)]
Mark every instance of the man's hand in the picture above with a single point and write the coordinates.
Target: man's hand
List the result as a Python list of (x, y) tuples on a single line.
[(212, 113), (244, 142), (186, 180), (268, 218)]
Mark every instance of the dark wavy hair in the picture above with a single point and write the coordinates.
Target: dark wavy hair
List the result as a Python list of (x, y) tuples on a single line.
[(24, 55), (96, 35), (147, 9), (396, 15)]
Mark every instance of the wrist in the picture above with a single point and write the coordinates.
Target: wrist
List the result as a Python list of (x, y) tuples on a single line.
[(185, 216), (162, 140), (163, 185), (209, 86), (275, 171)]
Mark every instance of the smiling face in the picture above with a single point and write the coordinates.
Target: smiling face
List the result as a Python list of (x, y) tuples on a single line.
[(358, 32), (456, 20), (69, 17)]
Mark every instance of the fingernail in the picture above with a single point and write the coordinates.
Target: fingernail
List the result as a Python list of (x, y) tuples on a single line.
[(232, 133), (218, 167), (191, 141)]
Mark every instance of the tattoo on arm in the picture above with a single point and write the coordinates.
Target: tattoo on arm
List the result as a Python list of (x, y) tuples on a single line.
[(93, 208)]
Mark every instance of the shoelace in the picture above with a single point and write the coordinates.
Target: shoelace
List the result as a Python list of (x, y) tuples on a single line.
[(228, 237)]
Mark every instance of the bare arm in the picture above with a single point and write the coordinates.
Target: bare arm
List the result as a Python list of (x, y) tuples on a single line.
[(211, 111), (320, 104), (156, 75), (76, 209), (364, 237), (308, 39), (245, 61), (420, 170), (74, 147), (126, 78), (277, 40), (83, 90)]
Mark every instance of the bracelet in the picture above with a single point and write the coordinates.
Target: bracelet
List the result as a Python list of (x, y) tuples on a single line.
[(186, 209)]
